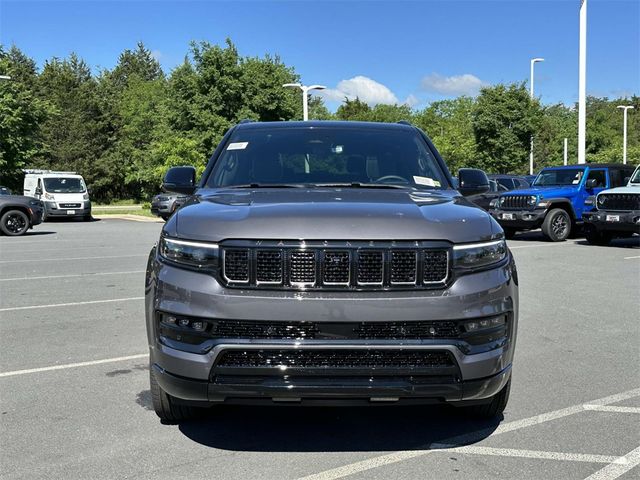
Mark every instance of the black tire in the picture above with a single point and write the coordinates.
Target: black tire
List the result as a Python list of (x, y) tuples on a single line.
[(87, 218), (165, 217), (492, 409), (14, 223), (509, 233), (557, 225), (594, 237), (166, 407)]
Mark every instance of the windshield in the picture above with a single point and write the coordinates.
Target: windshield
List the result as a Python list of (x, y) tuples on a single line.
[(635, 178), (327, 155), (64, 185), (564, 176)]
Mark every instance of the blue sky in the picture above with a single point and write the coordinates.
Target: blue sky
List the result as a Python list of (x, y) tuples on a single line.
[(382, 51)]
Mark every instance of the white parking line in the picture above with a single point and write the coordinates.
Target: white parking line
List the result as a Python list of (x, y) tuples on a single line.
[(611, 408), (396, 457), (72, 365), (32, 307), (511, 452), (97, 274), (629, 258), (62, 259), (558, 244), (615, 470)]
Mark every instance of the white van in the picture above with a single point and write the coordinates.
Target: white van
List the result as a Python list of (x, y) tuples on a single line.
[(64, 194)]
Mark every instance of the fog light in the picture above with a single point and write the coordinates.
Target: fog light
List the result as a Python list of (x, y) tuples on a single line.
[(183, 322), (432, 331), (169, 319), (471, 326), (198, 325)]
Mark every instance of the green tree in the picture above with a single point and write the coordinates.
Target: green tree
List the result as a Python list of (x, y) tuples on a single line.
[(353, 110), (504, 119)]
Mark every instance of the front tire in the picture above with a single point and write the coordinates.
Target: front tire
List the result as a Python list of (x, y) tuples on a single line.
[(14, 223), (165, 405), (492, 409), (557, 225), (509, 233)]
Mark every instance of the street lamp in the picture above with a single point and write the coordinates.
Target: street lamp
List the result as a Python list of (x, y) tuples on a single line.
[(533, 62), (624, 131), (305, 92)]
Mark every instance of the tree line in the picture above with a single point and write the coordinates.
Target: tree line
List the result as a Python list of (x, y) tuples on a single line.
[(123, 127)]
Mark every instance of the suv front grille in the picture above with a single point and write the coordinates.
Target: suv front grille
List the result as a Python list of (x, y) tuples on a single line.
[(514, 202), (70, 205), (619, 201), (334, 358), (362, 268)]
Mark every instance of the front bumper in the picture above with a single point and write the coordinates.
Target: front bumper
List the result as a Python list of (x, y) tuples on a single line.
[(53, 209), (519, 219), (162, 208), (192, 376), (614, 221)]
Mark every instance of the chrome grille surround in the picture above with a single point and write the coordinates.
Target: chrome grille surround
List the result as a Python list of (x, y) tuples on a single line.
[(337, 265)]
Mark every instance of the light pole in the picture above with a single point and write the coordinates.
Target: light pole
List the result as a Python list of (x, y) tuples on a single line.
[(582, 84), (305, 93), (533, 62), (624, 131), (5, 77)]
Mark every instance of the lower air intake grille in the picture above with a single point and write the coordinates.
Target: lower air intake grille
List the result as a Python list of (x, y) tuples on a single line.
[(407, 330), (277, 358)]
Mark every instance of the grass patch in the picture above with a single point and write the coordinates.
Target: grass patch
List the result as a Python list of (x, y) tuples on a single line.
[(124, 211)]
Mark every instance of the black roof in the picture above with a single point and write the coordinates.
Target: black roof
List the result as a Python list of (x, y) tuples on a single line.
[(326, 123)]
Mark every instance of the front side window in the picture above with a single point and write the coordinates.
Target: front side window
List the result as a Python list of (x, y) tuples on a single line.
[(600, 176), (64, 185), (560, 176), (635, 178), (327, 155)]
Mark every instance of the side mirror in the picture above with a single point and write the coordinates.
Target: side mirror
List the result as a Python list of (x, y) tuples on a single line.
[(592, 183), (180, 180), (626, 180), (472, 181), (38, 191)]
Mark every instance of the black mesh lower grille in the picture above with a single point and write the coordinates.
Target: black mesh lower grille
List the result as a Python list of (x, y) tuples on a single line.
[(407, 330), (276, 358), (253, 329)]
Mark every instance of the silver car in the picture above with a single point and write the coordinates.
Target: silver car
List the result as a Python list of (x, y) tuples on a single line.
[(332, 263), (164, 204)]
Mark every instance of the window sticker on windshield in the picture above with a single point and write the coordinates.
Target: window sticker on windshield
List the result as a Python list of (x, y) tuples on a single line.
[(237, 146), (337, 149), (430, 182)]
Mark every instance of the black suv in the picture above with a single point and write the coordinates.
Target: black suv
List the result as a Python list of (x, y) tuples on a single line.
[(329, 262), (18, 214)]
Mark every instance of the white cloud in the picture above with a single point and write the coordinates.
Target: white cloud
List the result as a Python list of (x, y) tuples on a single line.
[(157, 54), (412, 100), (465, 84), (364, 88)]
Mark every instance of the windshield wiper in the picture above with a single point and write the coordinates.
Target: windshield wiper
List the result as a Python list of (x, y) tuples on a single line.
[(361, 185), (266, 185)]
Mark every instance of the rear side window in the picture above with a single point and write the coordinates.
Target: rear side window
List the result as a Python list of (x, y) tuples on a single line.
[(506, 182)]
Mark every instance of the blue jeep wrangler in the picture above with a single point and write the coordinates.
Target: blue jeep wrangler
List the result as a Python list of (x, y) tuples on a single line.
[(557, 199)]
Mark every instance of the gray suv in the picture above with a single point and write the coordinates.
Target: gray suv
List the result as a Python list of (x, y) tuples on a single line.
[(332, 263)]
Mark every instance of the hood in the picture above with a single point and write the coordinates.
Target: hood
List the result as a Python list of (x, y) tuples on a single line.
[(628, 189), (18, 199), (546, 192), (331, 214)]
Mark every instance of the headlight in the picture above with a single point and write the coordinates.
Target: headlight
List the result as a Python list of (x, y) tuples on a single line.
[(479, 254), (48, 196), (493, 203), (85, 196), (193, 254), (532, 200)]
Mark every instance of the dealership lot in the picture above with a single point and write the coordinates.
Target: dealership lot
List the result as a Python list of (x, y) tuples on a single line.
[(74, 398)]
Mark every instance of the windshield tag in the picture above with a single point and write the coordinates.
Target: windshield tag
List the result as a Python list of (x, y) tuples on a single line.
[(237, 146), (430, 182)]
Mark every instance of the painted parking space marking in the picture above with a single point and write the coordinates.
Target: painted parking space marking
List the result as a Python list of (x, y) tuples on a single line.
[(70, 304), (517, 453), (629, 258), (611, 408), (615, 470), (93, 274), (72, 365), (391, 458)]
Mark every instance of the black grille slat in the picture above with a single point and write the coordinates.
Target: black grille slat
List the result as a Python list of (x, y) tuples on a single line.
[(236, 265), (336, 268), (619, 201), (253, 329), (374, 358), (407, 330), (435, 266), (70, 205), (404, 267), (515, 202), (370, 268), (302, 267), (269, 266)]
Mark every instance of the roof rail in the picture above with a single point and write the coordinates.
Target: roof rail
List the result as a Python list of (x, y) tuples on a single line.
[(40, 171), (405, 122), (245, 120)]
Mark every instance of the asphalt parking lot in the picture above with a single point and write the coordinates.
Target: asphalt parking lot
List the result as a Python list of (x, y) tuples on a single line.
[(75, 401)]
